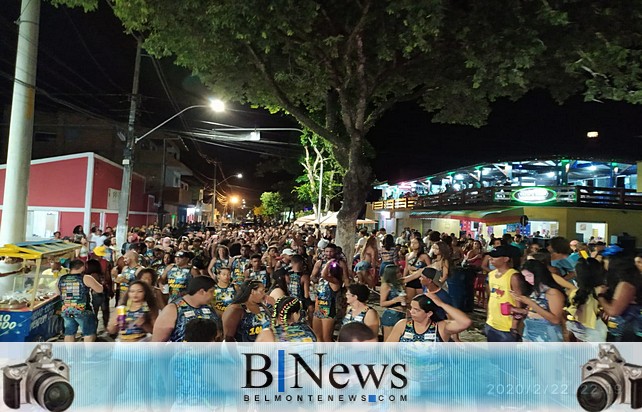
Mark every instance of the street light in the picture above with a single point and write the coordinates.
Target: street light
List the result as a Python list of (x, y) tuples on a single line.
[(215, 105), (233, 201), (238, 176)]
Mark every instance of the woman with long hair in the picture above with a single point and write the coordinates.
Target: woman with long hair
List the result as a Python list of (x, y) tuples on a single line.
[(621, 298), (416, 260), (442, 260), (280, 286), (370, 253), (475, 255), (358, 309), (99, 301), (392, 299), (325, 309), (425, 323), (141, 312), (584, 321), (221, 260), (286, 325), (247, 315), (545, 301), (388, 253), (149, 276)]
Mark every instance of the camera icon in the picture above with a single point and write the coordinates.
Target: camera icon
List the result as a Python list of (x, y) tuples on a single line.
[(608, 380), (41, 380)]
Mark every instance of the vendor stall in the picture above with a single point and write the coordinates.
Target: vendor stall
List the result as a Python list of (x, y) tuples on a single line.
[(29, 309)]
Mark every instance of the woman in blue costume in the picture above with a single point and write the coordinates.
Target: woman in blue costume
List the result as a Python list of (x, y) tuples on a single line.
[(621, 298), (286, 323), (425, 325), (545, 303), (325, 309), (221, 260), (248, 315)]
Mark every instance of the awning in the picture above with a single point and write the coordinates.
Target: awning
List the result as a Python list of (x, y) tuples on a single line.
[(490, 217)]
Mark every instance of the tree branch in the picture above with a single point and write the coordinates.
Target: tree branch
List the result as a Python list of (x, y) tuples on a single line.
[(288, 105), (381, 109)]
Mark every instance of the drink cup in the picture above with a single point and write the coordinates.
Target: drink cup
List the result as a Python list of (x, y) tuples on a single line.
[(506, 308), (403, 295)]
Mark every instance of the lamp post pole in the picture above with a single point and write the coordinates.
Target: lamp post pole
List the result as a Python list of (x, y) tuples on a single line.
[(128, 155)]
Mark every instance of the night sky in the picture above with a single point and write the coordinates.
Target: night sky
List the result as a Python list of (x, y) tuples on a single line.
[(86, 60)]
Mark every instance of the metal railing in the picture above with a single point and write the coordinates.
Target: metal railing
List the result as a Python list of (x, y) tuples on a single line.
[(570, 196)]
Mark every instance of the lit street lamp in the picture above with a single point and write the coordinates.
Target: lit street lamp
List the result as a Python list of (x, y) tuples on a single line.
[(233, 201), (238, 176), (215, 105)]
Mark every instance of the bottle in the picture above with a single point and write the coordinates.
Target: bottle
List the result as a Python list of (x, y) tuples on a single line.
[(121, 314)]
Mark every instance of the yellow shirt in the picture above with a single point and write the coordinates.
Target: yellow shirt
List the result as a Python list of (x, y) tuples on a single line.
[(588, 315), (500, 293)]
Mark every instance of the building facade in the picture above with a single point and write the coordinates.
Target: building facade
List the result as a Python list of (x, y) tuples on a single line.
[(80, 189)]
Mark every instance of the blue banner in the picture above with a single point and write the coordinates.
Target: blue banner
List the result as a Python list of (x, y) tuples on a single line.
[(341, 377), (31, 326)]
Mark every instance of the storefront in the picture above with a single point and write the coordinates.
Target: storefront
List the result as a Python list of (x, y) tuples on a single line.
[(575, 212), (29, 302)]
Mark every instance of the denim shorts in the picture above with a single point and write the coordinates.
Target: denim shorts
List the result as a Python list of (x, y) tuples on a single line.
[(391, 317), (86, 320)]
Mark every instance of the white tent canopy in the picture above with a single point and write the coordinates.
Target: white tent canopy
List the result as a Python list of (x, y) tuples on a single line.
[(329, 219)]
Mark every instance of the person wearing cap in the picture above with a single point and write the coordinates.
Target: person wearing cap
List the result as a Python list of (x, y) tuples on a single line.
[(431, 282), (504, 279), (286, 259), (177, 275), (426, 324), (171, 323), (149, 252)]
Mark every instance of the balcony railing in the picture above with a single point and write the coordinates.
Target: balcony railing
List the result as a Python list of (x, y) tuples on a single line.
[(569, 196), (403, 203)]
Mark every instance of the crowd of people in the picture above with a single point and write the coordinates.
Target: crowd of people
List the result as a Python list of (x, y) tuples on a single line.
[(291, 284)]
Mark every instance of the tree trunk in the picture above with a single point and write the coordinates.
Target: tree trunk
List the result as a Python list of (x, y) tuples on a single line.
[(356, 182)]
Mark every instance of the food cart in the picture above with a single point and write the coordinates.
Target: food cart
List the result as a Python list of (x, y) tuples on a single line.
[(30, 309)]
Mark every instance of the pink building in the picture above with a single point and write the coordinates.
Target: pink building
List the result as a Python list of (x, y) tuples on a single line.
[(79, 189)]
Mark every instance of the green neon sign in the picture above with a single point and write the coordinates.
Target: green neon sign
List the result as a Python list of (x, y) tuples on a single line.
[(534, 195)]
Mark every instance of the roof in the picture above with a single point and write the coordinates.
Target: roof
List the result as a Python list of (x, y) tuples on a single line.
[(539, 170), (39, 249)]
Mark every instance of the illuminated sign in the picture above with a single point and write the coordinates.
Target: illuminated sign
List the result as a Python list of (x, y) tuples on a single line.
[(534, 195)]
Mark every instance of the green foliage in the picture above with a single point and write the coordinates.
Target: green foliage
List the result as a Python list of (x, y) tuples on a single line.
[(271, 204)]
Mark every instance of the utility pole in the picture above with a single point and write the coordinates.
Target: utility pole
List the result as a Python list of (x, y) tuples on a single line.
[(214, 195), (14, 211), (128, 156)]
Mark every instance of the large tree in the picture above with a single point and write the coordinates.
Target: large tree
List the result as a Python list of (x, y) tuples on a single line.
[(338, 65)]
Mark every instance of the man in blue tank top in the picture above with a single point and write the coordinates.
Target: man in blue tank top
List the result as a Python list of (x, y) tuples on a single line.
[(195, 304), (75, 291)]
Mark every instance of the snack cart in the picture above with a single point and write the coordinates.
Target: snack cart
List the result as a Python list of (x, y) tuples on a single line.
[(30, 310)]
